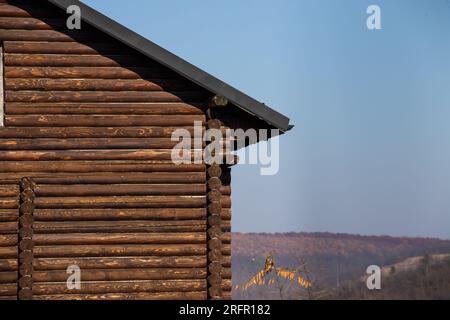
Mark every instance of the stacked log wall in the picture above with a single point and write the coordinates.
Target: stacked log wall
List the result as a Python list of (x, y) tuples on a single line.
[(90, 120), (9, 228)]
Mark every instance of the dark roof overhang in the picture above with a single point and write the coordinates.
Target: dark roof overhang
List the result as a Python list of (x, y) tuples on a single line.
[(175, 63)]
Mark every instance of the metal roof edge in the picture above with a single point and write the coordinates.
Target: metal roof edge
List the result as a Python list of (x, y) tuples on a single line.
[(177, 64)]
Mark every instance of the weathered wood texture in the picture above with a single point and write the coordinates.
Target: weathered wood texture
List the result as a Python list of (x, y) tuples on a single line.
[(2, 88), (9, 230), (218, 228), (90, 121), (104, 287), (226, 229), (26, 239), (194, 295)]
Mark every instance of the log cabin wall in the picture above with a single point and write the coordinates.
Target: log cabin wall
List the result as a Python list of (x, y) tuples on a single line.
[(89, 120), (9, 221)]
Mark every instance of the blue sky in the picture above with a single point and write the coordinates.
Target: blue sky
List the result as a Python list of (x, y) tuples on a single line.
[(370, 153)]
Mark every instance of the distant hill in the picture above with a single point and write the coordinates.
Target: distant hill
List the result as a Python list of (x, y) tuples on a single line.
[(413, 264), (424, 277), (332, 259)]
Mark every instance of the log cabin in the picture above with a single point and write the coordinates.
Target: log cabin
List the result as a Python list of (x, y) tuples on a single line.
[(86, 177)]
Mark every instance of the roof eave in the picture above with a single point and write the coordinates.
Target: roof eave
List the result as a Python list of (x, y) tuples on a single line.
[(177, 64)]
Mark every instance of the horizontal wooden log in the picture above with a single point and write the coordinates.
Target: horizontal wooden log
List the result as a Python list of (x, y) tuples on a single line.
[(158, 172), (9, 203), (9, 215), (114, 229), (122, 287), (87, 143), (63, 48), (123, 238), (119, 214), (225, 190), (103, 109), (45, 264), (226, 273), (226, 237), (8, 227), (8, 252), (49, 35), (8, 277), (118, 226), (8, 289), (66, 251), (9, 191), (227, 295), (226, 214), (113, 177), (101, 121), (120, 275), (87, 72), (104, 96), (62, 155), (225, 201), (226, 285), (120, 202), (91, 144), (226, 249), (31, 23), (73, 60), (9, 264), (226, 226), (119, 190), (226, 261), (96, 85), (91, 132), (176, 108), (198, 295)]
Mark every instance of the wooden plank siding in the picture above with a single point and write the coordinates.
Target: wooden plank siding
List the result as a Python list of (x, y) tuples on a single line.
[(90, 121)]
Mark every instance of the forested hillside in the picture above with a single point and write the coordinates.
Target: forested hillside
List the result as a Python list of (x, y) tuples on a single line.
[(330, 260)]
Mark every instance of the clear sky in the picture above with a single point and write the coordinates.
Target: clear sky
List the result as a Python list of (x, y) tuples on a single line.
[(370, 152)]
